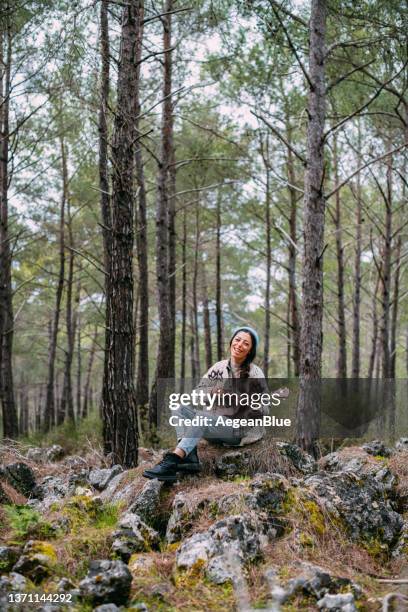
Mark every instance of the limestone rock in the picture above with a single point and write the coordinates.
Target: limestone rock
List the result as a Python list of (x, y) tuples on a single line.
[(234, 463), (359, 502), (401, 547), (37, 561), (339, 603), (8, 557), (20, 476), (133, 536), (301, 460), (181, 517), (106, 582), (13, 583), (377, 447), (100, 478), (401, 444), (147, 501)]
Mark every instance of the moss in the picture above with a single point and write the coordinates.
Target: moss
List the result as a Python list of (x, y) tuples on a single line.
[(26, 523), (306, 540), (315, 516), (375, 548), (44, 548)]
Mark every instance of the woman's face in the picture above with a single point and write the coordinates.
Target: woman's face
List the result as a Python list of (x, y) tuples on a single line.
[(240, 346)]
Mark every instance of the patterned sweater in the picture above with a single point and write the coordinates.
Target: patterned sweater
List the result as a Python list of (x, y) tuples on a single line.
[(221, 375)]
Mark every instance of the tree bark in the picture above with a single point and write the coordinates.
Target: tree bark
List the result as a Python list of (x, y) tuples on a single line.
[(293, 297), (142, 382), (50, 404), (9, 410), (195, 290), (355, 357), (206, 321), (119, 409), (184, 303), (85, 404), (374, 333), (67, 400), (394, 314), (341, 318), (165, 349), (218, 298), (313, 228), (386, 276), (268, 230)]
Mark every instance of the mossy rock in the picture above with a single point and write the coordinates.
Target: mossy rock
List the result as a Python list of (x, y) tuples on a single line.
[(38, 561)]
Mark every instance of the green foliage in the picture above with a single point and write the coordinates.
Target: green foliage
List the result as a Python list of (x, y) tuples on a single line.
[(25, 522)]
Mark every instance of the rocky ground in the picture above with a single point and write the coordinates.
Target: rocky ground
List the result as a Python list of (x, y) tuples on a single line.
[(265, 527)]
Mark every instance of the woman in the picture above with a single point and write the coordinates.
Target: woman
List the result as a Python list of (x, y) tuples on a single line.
[(243, 345)]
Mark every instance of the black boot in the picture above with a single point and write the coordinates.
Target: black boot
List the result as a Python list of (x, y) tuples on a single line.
[(190, 463), (166, 469)]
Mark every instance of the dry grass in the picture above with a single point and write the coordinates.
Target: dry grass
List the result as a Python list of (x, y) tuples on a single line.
[(398, 464), (264, 457)]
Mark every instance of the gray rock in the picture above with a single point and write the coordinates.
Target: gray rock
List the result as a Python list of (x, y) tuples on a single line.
[(13, 583), (359, 502), (112, 493), (100, 478), (268, 492), (401, 547), (196, 551), (234, 463), (361, 465), (240, 537), (220, 571), (37, 561), (401, 444), (133, 536), (36, 454), (110, 607), (54, 452), (8, 557), (302, 461), (240, 532), (106, 582), (20, 476), (65, 585), (147, 501), (377, 447), (338, 603), (316, 582), (181, 518)]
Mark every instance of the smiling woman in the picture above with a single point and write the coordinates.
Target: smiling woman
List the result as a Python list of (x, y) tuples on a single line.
[(243, 345)]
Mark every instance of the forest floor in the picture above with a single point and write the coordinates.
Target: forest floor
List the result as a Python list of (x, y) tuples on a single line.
[(265, 528)]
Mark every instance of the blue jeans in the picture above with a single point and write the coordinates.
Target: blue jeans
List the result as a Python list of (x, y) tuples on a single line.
[(189, 436)]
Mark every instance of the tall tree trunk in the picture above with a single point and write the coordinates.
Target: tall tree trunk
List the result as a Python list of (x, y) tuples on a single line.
[(79, 354), (67, 399), (193, 351), (119, 410), (106, 213), (50, 404), (85, 404), (218, 297), (9, 410), (265, 156), (172, 261), (206, 320), (374, 333), (394, 315), (386, 276), (341, 318), (164, 354), (195, 290), (355, 358), (142, 382), (293, 298), (313, 228), (184, 303)]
